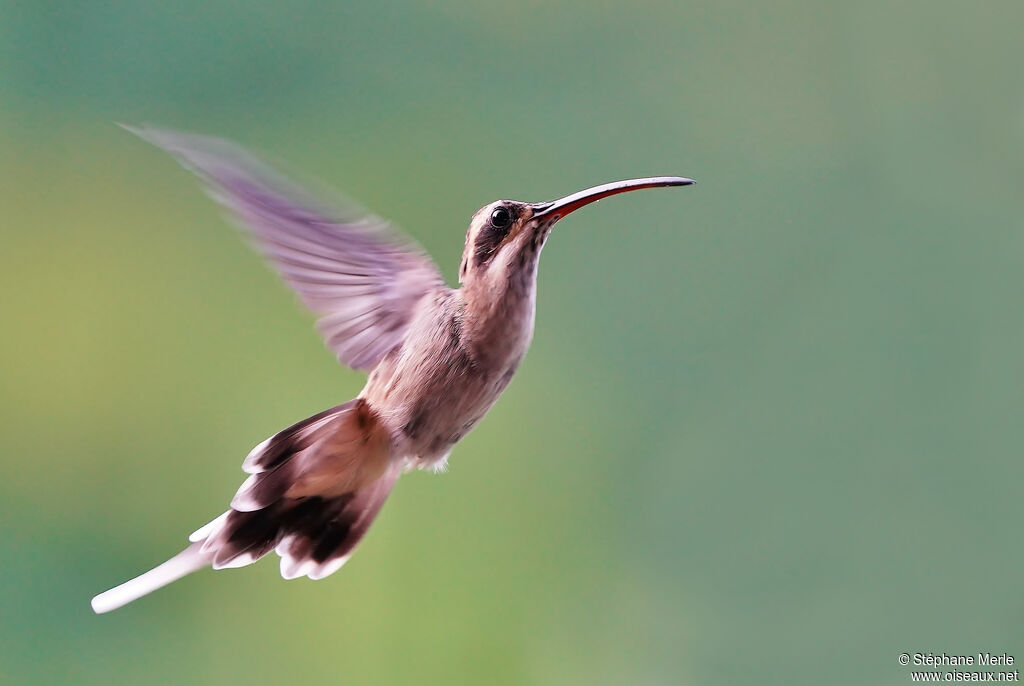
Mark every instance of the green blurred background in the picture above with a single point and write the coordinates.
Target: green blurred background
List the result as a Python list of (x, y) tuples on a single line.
[(770, 429)]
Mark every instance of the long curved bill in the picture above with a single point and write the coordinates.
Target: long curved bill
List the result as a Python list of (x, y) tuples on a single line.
[(556, 209)]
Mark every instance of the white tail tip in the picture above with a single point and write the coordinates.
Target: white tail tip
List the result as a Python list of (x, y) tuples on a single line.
[(187, 561)]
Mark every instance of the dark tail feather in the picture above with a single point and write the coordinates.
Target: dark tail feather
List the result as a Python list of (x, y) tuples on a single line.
[(314, 490), (283, 445), (314, 535)]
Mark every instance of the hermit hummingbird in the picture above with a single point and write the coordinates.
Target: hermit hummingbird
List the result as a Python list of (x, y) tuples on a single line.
[(437, 357)]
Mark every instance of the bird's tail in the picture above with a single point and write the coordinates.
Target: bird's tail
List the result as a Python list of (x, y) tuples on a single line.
[(313, 491)]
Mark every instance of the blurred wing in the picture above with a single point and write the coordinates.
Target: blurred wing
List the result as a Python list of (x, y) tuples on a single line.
[(347, 266)]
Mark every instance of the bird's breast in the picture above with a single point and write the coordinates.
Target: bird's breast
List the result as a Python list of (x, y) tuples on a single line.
[(433, 390)]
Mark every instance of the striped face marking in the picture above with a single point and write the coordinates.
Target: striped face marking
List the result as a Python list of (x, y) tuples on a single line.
[(493, 232), (492, 227)]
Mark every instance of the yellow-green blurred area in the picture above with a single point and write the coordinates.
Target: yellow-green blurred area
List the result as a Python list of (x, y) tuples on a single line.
[(771, 427)]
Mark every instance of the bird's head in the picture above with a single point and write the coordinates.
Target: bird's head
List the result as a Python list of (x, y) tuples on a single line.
[(505, 237)]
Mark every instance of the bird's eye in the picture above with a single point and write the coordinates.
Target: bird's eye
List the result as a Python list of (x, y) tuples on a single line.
[(501, 218)]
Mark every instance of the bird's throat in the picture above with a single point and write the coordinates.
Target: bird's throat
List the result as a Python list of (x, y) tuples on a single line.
[(498, 323)]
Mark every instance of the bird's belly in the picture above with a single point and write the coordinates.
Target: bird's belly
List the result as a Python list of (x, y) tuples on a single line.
[(442, 419), (427, 416)]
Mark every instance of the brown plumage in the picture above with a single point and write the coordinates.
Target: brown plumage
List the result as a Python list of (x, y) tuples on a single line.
[(438, 358)]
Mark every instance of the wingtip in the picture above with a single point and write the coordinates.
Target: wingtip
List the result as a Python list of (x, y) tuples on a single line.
[(167, 139), (139, 130), (161, 138)]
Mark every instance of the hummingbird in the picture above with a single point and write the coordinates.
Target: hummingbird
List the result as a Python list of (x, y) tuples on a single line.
[(438, 358)]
